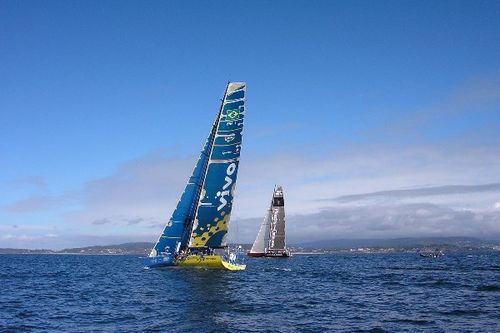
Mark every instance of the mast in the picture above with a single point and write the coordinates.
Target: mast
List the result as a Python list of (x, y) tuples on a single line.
[(214, 130), (194, 206)]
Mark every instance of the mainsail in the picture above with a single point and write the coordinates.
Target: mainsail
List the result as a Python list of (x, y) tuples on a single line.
[(277, 237), (213, 211)]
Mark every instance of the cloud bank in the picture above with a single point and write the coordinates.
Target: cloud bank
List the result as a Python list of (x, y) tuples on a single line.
[(134, 203), (423, 192)]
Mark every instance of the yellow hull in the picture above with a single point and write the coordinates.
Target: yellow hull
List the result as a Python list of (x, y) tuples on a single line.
[(209, 261)]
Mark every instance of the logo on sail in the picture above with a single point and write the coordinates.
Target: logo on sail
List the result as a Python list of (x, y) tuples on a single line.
[(225, 189), (229, 138)]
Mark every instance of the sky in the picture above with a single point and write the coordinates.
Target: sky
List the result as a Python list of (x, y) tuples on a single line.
[(381, 119)]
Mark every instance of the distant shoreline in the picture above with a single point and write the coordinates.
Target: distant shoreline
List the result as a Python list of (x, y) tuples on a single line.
[(70, 254), (323, 252), (404, 245)]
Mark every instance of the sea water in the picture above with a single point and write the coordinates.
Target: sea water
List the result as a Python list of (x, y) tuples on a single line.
[(459, 292)]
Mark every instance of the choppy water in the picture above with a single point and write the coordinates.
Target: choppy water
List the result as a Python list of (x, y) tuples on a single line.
[(370, 292)]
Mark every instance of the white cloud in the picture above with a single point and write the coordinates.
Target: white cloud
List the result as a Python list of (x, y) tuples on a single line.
[(31, 204), (135, 202), (380, 222)]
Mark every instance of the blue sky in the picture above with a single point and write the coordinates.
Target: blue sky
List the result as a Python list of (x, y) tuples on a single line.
[(104, 106)]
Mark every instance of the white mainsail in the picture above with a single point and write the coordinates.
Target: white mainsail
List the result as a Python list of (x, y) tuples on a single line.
[(262, 241)]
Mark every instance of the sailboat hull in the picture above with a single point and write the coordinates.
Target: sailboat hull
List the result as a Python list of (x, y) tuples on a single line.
[(284, 254), (209, 261), (159, 261), (278, 254)]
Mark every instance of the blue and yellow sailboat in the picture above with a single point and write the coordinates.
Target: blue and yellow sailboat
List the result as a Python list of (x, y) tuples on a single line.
[(196, 233)]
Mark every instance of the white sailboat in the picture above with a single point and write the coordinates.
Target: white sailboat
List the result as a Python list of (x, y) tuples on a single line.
[(270, 240)]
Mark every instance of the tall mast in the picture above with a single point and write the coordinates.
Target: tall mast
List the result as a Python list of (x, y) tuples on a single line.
[(213, 133)]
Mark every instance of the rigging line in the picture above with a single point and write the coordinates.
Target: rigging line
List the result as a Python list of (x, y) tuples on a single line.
[(214, 132)]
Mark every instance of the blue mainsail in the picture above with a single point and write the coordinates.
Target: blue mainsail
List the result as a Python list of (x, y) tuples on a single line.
[(215, 203)]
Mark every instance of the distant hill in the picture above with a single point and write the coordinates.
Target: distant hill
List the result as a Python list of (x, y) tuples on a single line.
[(138, 248), (25, 251), (143, 248)]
